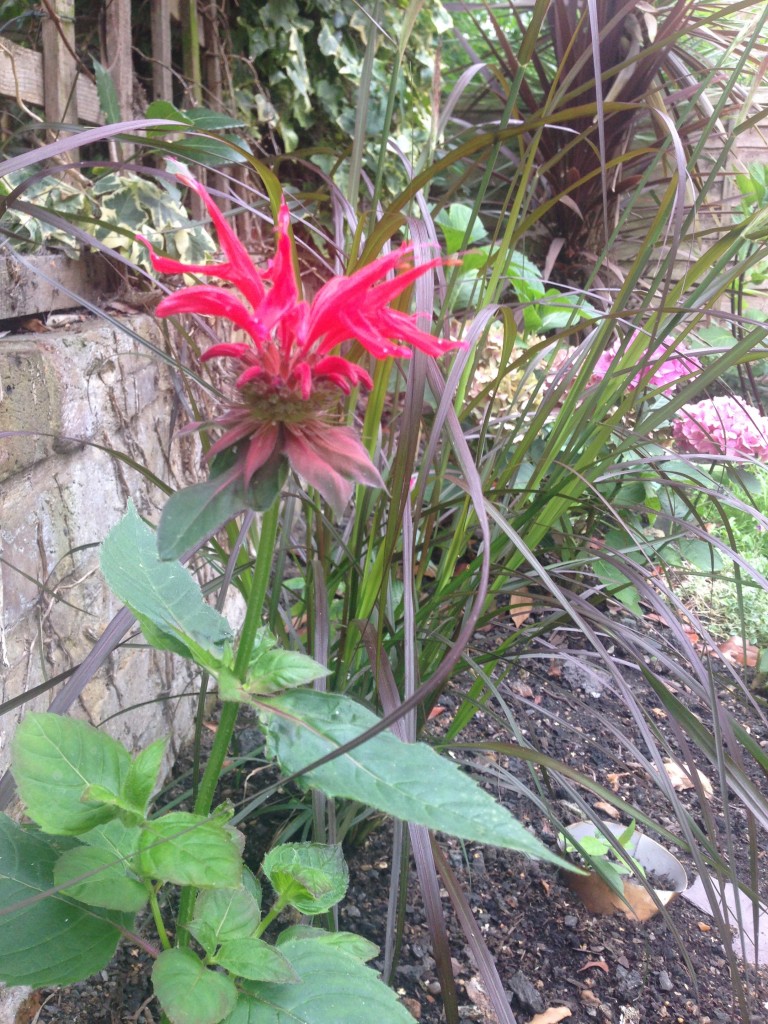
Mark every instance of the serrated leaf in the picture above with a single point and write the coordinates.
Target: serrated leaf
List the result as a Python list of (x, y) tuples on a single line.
[(115, 836), (159, 593), (189, 849), (110, 887), (55, 759), (188, 992), (353, 945), (407, 780), (312, 877), (54, 941), (105, 87), (143, 775), (256, 960), (222, 914), (333, 988)]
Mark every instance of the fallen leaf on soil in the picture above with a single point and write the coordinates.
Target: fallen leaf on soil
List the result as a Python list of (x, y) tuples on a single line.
[(588, 997), (614, 779), (608, 809), (522, 689), (738, 652), (595, 963), (34, 325), (555, 670), (704, 927), (413, 1006), (551, 1016), (520, 608), (436, 710), (680, 777)]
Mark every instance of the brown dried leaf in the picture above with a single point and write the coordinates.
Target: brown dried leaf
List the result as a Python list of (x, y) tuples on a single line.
[(521, 689), (594, 963), (680, 777), (614, 779), (608, 809), (738, 652), (520, 607), (551, 1016)]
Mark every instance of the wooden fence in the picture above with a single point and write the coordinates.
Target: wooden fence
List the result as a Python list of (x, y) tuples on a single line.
[(57, 79)]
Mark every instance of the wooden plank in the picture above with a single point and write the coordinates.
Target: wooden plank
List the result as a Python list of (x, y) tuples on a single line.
[(26, 292), (59, 62), (162, 77), (117, 35), (21, 76)]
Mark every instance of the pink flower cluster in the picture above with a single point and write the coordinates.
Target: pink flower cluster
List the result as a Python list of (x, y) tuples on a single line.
[(656, 371), (722, 426)]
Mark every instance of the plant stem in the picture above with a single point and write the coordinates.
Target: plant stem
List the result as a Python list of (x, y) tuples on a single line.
[(223, 736), (158, 919), (267, 920)]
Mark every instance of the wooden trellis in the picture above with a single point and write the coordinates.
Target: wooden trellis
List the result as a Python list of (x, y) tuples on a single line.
[(56, 80)]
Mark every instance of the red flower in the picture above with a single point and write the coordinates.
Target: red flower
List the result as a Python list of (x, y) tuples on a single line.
[(288, 377)]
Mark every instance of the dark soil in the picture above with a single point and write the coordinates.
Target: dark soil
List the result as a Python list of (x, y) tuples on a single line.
[(549, 951)]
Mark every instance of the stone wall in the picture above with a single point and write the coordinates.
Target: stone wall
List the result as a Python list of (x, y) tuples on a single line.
[(83, 385)]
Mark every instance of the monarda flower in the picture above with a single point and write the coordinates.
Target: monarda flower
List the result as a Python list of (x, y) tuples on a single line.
[(722, 426), (656, 371), (287, 380)]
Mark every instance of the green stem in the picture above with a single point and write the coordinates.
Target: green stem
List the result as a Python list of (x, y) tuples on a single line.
[(223, 737), (267, 920), (158, 919)]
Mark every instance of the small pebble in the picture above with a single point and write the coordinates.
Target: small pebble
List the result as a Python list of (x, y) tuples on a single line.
[(570, 921), (665, 982)]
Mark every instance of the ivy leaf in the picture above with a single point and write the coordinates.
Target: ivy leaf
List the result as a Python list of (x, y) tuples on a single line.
[(53, 941), (188, 849), (55, 762), (188, 992), (312, 877), (407, 780), (163, 596)]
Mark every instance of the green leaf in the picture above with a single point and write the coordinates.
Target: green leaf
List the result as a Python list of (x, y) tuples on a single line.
[(222, 914), (270, 669), (454, 222), (194, 513), (407, 780), (119, 839), (333, 988), (144, 775), (110, 887), (353, 945), (55, 760), (162, 110), (617, 585), (188, 992), (54, 941), (189, 849), (312, 877), (256, 960), (704, 556), (163, 596), (105, 87)]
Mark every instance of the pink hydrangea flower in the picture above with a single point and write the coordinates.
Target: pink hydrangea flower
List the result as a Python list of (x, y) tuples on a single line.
[(722, 426), (656, 371), (287, 379)]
